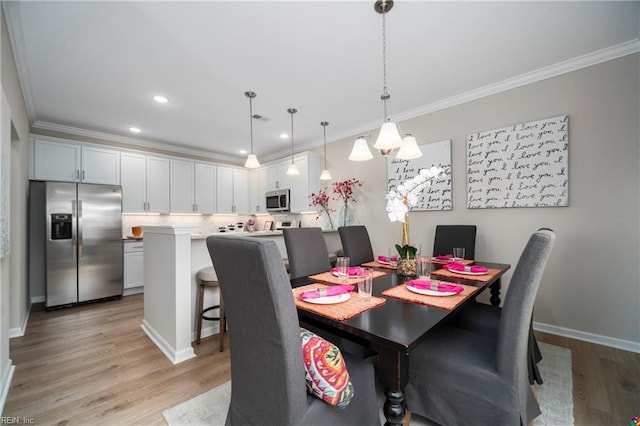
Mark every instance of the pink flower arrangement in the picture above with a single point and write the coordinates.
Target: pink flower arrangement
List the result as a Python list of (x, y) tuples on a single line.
[(344, 191), (321, 199)]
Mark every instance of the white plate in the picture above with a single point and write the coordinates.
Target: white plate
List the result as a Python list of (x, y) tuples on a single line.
[(383, 262), (435, 259), (335, 274), (430, 292), (330, 300), (467, 272)]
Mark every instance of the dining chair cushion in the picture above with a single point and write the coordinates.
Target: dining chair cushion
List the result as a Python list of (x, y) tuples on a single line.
[(325, 370)]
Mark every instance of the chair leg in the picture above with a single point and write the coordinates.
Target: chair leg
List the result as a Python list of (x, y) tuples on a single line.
[(223, 323), (200, 306)]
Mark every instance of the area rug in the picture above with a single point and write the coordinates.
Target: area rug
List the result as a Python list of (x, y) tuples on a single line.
[(555, 397)]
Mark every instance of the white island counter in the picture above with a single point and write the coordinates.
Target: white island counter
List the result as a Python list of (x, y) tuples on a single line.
[(173, 257)]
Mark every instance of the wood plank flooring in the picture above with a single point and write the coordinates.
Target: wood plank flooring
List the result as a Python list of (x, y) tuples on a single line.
[(93, 365)]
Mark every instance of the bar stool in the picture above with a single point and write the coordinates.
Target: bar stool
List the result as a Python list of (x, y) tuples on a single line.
[(207, 278)]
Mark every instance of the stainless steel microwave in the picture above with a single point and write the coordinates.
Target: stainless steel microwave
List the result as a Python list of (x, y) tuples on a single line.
[(278, 201)]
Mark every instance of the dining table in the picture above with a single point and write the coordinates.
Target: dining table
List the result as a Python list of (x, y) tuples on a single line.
[(390, 328)]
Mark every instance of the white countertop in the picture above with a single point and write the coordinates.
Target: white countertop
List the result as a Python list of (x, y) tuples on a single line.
[(199, 236)]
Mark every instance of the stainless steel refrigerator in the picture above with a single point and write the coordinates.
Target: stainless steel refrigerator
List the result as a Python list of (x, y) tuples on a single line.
[(75, 235)]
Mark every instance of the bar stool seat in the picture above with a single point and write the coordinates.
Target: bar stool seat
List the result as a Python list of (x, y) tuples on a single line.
[(207, 278)]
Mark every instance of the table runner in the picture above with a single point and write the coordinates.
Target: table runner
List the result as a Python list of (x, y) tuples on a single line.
[(328, 277), (445, 302), (482, 278), (338, 311), (376, 264)]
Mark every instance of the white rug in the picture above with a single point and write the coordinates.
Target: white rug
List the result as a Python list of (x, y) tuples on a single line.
[(555, 397)]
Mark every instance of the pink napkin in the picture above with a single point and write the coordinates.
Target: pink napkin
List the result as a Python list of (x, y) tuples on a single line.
[(326, 291), (430, 285), (352, 271), (455, 266), (444, 257), (387, 258)]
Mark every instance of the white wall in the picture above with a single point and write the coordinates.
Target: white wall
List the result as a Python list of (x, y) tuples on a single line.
[(591, 288)]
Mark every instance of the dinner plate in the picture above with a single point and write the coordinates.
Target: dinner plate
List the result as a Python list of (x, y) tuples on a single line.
[(430, 292), (384, 262), (467, 272), (435, 259), (329, 300), (335, 274)]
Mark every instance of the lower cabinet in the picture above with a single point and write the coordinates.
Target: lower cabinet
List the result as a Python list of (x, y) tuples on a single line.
[(133, 267)]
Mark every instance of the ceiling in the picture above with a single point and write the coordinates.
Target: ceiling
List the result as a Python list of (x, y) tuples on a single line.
[(94, 66)]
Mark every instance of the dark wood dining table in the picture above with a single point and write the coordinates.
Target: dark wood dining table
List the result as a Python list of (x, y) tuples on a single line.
[(392, 330)]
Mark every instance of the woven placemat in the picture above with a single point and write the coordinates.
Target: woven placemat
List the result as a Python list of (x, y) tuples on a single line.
[(328, 277), (481, 278), (338, 311), (445, 302), (376, 264)]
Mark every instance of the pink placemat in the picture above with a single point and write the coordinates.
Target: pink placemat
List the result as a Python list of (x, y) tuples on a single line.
[(481, 278), (445, 302), (328, 277), (338, 311), (376, 264)]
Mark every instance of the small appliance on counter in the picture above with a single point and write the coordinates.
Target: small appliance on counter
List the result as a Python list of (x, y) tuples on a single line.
[(287, 224)]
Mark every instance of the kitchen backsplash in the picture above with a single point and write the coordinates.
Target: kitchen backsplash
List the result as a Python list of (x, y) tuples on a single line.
[(209, 224)]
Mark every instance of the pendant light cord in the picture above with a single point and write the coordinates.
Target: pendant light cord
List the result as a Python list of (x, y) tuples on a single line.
[(251, 121), (324, 130), (385, 94)]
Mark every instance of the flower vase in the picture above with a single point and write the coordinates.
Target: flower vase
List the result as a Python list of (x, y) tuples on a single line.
[(326, 221), (345, 216), (406, 267)]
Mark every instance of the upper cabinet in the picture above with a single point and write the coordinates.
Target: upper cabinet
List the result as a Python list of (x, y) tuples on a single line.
[(232, 190), (258, 189), (75, 162), (145, 184), (192, 187)]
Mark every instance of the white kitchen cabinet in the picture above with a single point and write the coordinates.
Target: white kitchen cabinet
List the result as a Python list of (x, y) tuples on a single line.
[(232, 190), (182, 186), (75, 162), (133, 264), (145, 183), (258, 189), (205, 188), (277, 177), (309, 164)]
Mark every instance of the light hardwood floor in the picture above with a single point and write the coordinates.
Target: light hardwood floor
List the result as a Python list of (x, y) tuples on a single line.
[(93, 365)]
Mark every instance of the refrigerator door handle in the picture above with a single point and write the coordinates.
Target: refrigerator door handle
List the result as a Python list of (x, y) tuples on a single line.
[(74, 214), (79, 228)]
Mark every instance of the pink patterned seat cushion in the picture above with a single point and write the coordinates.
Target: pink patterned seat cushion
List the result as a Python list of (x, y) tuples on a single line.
[(325, 371)]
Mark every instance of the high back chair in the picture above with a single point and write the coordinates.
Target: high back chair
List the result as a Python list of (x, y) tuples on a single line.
[(449, 236), (457, 376), (356, 244), (307, 251), (267, 371)]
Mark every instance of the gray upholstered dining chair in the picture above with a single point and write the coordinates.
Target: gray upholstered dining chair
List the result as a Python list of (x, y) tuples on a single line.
[(457, 376), (307, 251), (449, 236), (267, 370), (356, 244)]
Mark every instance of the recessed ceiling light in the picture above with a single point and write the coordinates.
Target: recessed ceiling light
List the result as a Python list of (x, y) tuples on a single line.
[(135, 129), (284, 136), (243, 151), (160, 99)]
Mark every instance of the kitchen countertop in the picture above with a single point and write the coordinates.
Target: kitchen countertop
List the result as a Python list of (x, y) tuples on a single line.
[(200, 236)]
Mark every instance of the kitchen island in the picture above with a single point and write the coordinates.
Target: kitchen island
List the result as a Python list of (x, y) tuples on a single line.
[(173, 256)]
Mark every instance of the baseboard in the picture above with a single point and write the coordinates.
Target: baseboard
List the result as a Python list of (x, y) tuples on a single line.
[(5, 383), (133, 290), (19, 331), (599, 339), (38, 299), (175, 356)]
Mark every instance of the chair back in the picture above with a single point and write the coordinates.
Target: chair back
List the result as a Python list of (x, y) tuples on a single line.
[(449, 236), (513, 334), (267, 370), (356, 244), (307, 251)]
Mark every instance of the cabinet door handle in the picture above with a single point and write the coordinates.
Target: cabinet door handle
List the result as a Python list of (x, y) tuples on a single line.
[(83, 175), (77, 174)]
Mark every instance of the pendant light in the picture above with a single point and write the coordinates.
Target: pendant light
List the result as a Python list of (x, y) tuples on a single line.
[(293, 169), (409, 149), (360, 151), (252, 160), (325, 175)]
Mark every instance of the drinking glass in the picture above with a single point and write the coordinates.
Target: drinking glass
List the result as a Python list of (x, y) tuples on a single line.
[(458, 254), (342, 263), (393, 261), (365, 286), (423, 267)]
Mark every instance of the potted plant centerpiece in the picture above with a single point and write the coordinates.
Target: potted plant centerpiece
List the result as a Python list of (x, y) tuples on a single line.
[(400, 201)]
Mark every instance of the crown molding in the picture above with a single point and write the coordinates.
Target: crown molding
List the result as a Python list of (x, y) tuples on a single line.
[(134, 142)]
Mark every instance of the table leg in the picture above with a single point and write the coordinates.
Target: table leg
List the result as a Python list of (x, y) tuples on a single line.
[(393, 408), (495, 293)]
